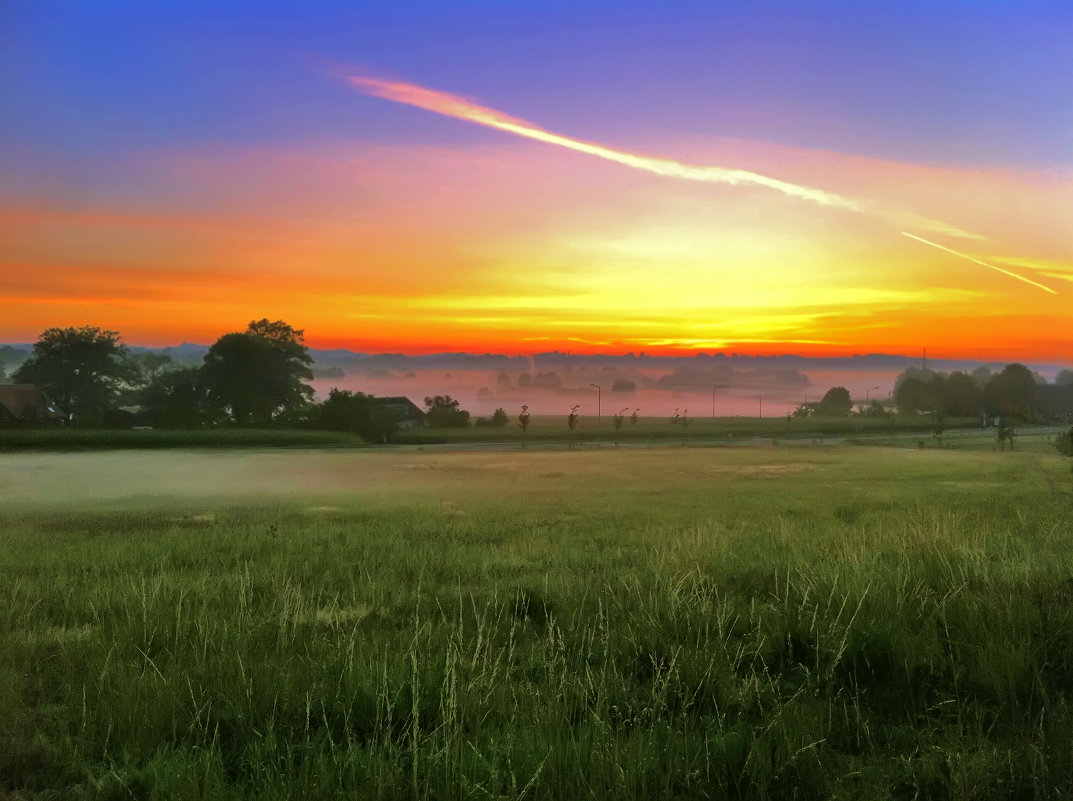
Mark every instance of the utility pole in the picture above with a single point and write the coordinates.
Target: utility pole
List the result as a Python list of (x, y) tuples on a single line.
[(599, 411), (714, 388)]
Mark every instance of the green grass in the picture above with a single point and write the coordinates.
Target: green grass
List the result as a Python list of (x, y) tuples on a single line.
[(94, 439), (753, 623), (1028, 439), (700, 430)]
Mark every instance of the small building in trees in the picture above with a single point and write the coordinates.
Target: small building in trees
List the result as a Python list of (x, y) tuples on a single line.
[(407, 413), (26, 405)]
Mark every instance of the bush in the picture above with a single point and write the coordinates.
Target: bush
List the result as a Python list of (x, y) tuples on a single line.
[(445, 412)]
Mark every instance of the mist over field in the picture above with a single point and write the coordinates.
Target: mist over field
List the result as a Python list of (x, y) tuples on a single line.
[(657, 392)]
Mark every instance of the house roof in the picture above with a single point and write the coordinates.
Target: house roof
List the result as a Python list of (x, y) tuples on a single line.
[(18, 399), (401, 404)]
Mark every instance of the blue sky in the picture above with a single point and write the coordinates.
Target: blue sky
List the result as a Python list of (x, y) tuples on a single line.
[(976, 83)]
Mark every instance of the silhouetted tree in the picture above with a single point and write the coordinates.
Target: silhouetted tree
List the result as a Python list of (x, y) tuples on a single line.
[(1012, 393), (257, 377), (913, 392), (81, 369), (176, 399), (961, 395), (572, 421), (524, 419), (836, 402), (955, 394), (443, 411), (499, 417), (355, 413)]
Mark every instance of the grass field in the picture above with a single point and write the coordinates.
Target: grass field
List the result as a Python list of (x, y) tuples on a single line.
[(545, 429), (62, 439), (732, 622)]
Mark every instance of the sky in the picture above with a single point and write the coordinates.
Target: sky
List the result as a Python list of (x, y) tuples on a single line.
[(821, 178)]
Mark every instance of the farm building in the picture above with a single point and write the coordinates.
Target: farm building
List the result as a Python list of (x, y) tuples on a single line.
[(408, 413), (27, 405)]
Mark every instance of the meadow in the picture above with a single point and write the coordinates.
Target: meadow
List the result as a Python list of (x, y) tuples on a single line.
[(692, 430), (759, 622)]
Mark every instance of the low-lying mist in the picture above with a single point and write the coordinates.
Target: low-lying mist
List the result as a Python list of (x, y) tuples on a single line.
[(704, 392)]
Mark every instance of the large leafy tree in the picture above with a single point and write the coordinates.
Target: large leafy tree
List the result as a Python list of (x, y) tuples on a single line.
[(258, 376), (962, 396), (835, 403), (914, 391), (176, 399), (1012, 393), (82, 369)]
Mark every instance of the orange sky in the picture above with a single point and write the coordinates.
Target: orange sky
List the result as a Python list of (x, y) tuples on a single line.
[(520, 246)]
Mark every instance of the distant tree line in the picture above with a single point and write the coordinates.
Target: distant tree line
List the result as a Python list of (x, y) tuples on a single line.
[(252, 378), (1015, 393)]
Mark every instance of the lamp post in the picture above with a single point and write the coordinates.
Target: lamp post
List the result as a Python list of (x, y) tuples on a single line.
[(866, 398), (598, 404)]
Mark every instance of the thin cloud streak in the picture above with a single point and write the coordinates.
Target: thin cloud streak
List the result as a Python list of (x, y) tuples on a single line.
[(974, 260), (460, 108)]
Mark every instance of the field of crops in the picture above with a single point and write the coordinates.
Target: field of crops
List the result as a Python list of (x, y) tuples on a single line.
[(712, 622)]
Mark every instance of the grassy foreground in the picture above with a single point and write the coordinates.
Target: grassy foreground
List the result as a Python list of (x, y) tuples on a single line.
[(680, 623), (66, 439)]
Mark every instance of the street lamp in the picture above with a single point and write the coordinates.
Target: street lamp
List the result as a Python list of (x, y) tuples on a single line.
[(598, 393), (866, 405)]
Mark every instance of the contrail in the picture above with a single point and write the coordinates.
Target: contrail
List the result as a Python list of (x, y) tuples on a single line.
[(974, 260), (459, 107)]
